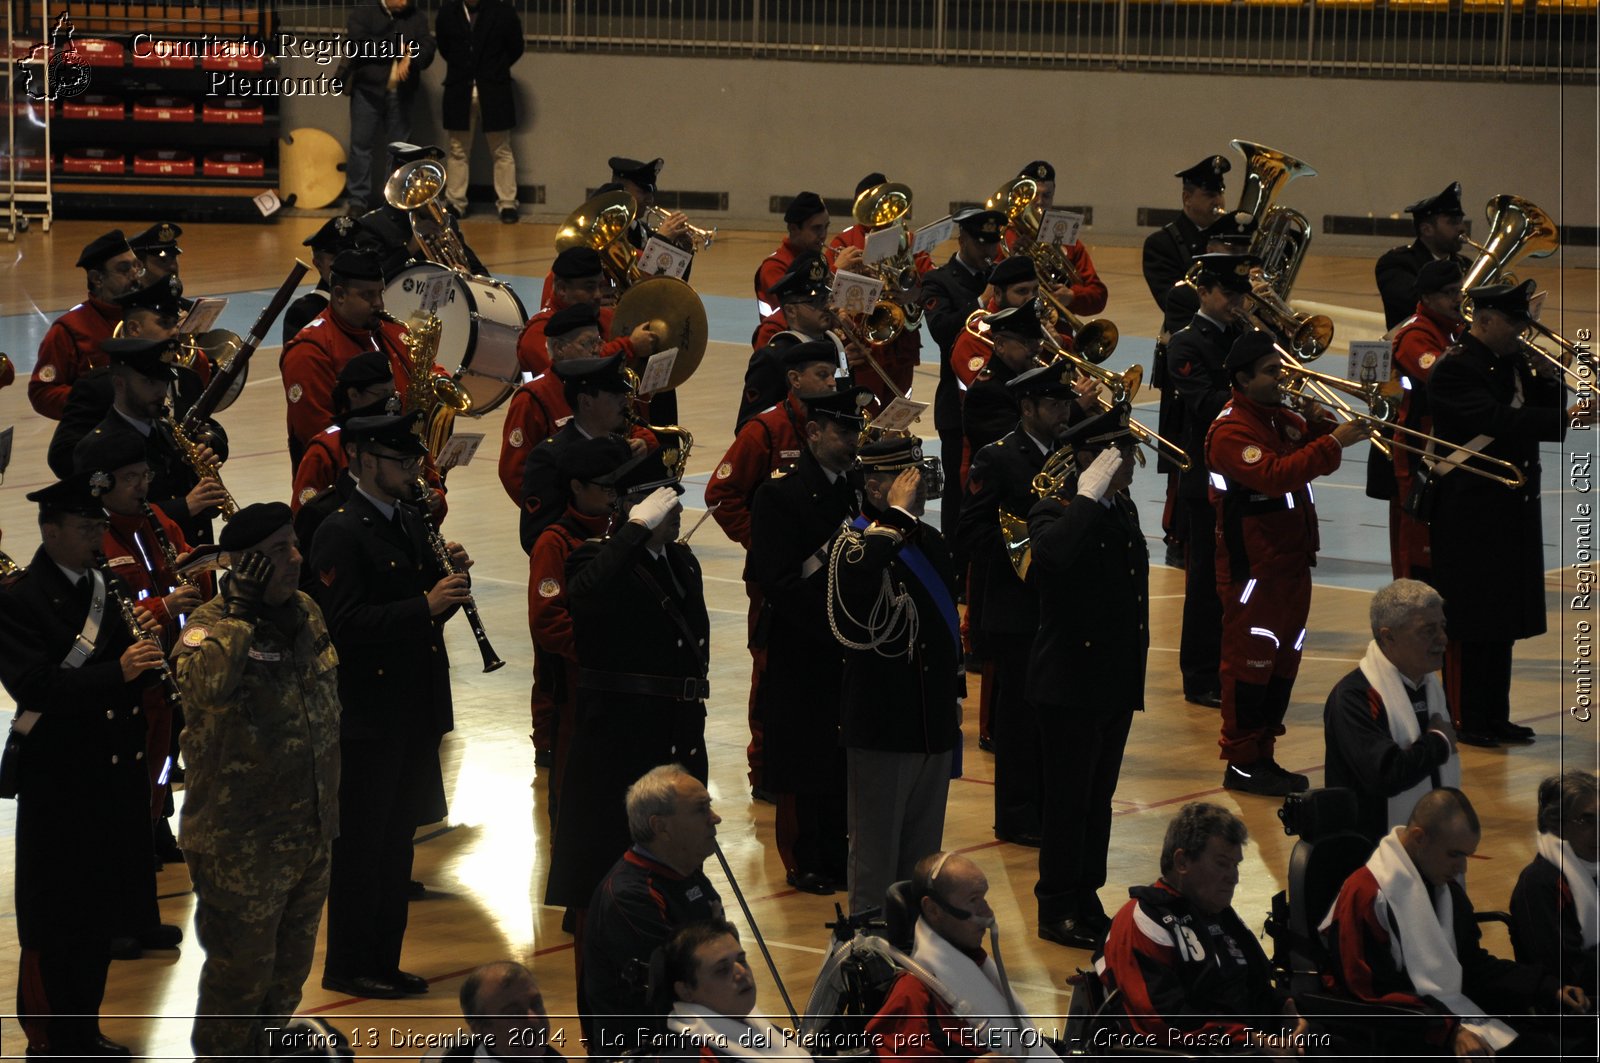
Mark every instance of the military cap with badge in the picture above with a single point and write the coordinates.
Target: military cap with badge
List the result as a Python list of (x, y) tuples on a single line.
[(158, 241), (984, 226), (643, 174), (1447, 203), (808, 278), (895, 453), (1229, 270), (1207, 173)]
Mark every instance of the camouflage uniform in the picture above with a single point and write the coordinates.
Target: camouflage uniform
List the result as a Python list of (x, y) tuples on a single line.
[(260, 810)]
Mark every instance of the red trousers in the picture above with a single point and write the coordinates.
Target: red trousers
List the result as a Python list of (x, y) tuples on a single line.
[(1263, 630)]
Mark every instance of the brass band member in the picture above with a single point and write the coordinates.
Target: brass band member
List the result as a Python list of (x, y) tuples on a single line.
[(158, 251), (336, 235), (1441, 226), (807, 221), (71, 347), (1086, 295)]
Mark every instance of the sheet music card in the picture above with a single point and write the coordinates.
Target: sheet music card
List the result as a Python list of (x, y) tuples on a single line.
[(203, 314), (1060, 226), (881, 245), (658, 371), (899, 415), (932, 235), (660, 258), (460, 449), (855, 294), (1369, 361)]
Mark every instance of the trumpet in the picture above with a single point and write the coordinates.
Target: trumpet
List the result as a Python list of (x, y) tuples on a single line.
[(1296, 381), (692, 239), (441, 554), (8, 567)]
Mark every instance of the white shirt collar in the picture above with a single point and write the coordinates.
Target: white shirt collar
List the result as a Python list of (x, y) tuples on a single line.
[(386, 508), (144, 428), (73, 576)]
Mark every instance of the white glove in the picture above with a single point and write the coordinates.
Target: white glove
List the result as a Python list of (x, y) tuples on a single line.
[(655, 507), (1096, 479)]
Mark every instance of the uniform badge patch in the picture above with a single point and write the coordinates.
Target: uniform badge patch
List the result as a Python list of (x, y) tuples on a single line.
[(549, 588), (194, 635), (295, 392), (1291, 431), (1251, 455), (516, 437), (1427, 360), (307, 495), (975, 363), (724, 470), (47, 373)]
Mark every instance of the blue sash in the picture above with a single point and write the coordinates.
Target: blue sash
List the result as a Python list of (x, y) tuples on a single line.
[(923, 570)]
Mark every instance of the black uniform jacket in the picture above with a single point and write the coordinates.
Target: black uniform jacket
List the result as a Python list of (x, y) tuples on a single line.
[(1001, 480), (1488, 554), (480, 54), (298, 314), (83, 800), (394, 673), (310, 518), (1544, 926), (1092, 571), (1396, 273), (635, 619), (904, 704), (544, 489), (1201, 389), (1168, 253), (385, 37), (949, 294), (766, 381), (991, 409), (794, 518), (1363, 756)]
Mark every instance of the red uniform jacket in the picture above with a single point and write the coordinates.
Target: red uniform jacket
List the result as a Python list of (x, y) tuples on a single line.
[(1262, 460), (771, 270), (535, 411), (533, 352), (310, 365), (770, 440), (1089, 294), (70, 349), (915, 1024), (900, 356), (1417, 344), (769, 327)]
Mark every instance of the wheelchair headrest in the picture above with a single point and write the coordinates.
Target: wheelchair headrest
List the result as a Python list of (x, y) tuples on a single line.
[(1318, 813), (901, 908)]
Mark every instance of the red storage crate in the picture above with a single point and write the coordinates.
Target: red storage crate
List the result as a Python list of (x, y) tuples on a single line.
[(234, 164), (29, 161), (163, 109), (234, 55), (164, 55), (94, 107), (164, 162), (232, 112), (95, 51), (94, 161)]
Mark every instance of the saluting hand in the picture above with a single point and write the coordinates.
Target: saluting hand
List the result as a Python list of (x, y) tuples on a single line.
[(139, 658)]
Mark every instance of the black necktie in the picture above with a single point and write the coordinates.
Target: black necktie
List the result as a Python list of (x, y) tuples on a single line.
[(663, 566)]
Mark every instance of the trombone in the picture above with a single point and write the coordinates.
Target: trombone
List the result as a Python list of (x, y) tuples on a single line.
[(1123, 386), (1573, 362), (1379, 418), (1094, 339)]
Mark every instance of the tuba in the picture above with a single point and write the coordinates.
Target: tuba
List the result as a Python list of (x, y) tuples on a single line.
[(1282, 233), (1517, 229), (880, 207), (438, 397), (602, 223), (415, 188)]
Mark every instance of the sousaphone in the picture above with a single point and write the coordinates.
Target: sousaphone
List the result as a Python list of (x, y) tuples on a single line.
[(602, 223)]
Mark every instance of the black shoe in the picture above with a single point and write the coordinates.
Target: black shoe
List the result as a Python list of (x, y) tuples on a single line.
[(1030, 839), (1174, 557), (164, 936), (1512, 732), (416, 891), (1299, 783), (101, 1045), (1257, 778), (166, 846), (544, 758), (1097, 922), (509, 215), (411, 984), (811, 882), (986, 743), (455, 211), (126, 948), (1482, 739), (764, 795), (363, 986), (1073, 933), (1211, 699)]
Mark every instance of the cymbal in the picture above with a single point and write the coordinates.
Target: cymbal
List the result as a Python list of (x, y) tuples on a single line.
[(310, 167), (673, 302)]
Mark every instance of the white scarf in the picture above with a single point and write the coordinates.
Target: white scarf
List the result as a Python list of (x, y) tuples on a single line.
[(1426, 915), (1390, 685), (752, 1038), (1580, 876), (980, 999)]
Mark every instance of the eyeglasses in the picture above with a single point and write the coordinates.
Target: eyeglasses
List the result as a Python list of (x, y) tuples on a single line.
[(408, 462), (131, 478)]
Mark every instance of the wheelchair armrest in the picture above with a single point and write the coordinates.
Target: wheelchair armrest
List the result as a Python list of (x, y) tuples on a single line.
[(1493, 917)]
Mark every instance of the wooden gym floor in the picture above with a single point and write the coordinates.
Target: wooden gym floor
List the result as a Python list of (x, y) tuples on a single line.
[(485, 867)]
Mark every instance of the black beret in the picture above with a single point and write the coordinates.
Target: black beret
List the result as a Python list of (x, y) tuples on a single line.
[(74, 494), (1510, 299), (589, 459), (803, 354), (1100, 430), (1045, 381), (364, 370), (872, 180), (1020, 321), (1013, 269), (1207, 173), (353, 265), (96, 251), (844, 405), (802, 207), (576, 262), (641, 473), (395, 431), (113, 445), (254, 523), (153, 358), (643, 174), (335, 235), (1446, 202), (161, 296), (1437, 275), (1247, 350), (1039, 170), (808, 277), (983, 225), (593, 374), (160, 239), (571, 319), (1231, 271), (891, 453)]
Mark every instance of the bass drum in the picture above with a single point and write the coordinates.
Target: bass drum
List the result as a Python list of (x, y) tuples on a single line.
[(480, 321)]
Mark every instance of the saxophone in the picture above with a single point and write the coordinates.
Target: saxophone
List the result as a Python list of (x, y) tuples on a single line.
[(439, 398), (204, 469)]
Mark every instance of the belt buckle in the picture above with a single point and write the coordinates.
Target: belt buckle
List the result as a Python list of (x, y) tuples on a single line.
[(691, 689)]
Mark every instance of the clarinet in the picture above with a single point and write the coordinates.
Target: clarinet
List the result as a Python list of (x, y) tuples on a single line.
[(164, 543), (441, 553), (169, 681)]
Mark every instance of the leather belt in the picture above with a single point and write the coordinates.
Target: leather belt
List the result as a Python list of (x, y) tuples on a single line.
[(678, 688)]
